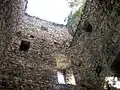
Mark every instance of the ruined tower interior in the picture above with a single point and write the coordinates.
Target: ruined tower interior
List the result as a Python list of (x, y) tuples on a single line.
[(37, 54)]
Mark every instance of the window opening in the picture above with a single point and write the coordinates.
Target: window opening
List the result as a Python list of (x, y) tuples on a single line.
[(113, 82), (64, 73), (61, 79)]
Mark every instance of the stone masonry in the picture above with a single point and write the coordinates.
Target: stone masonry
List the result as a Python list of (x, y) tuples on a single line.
[(28, 46)]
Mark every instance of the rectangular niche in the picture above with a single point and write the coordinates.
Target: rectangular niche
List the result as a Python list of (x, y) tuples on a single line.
[(25, 45)]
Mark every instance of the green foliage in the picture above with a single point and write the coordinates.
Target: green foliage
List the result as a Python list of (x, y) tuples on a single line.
[(73, 19)]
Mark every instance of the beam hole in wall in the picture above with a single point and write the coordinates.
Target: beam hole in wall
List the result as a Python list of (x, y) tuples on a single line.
[(56, 43), (98, 70), (25, 45), (19, 33), (116, 66), (87, 26), (44, 28), (31, 36)]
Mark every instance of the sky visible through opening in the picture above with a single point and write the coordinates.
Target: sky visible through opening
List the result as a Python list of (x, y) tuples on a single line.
[(69, 80), (113, 81), (51, 10)]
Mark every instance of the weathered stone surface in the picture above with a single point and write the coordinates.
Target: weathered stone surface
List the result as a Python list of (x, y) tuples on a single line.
[(35, 69), (99, 47), (91, 53), (10, 14)]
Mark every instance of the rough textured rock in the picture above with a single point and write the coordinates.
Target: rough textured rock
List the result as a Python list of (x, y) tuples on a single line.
[(34, 67), (94, 52), (10, 18), (10, 14)]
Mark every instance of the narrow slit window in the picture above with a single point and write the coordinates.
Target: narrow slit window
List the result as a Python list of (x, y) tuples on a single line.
[(65, 72), (70, 79), (64, 77), (61, 79)]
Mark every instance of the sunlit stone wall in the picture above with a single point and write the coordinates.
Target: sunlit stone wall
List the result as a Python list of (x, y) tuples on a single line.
[(30, 58)]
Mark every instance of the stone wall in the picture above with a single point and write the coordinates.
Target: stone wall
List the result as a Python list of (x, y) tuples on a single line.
[(35, 21), (36, 68), (96, 43), (10, 14), (92, 51)]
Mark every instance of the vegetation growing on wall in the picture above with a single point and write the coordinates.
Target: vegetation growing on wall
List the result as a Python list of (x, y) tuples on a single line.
[(73, 19)]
